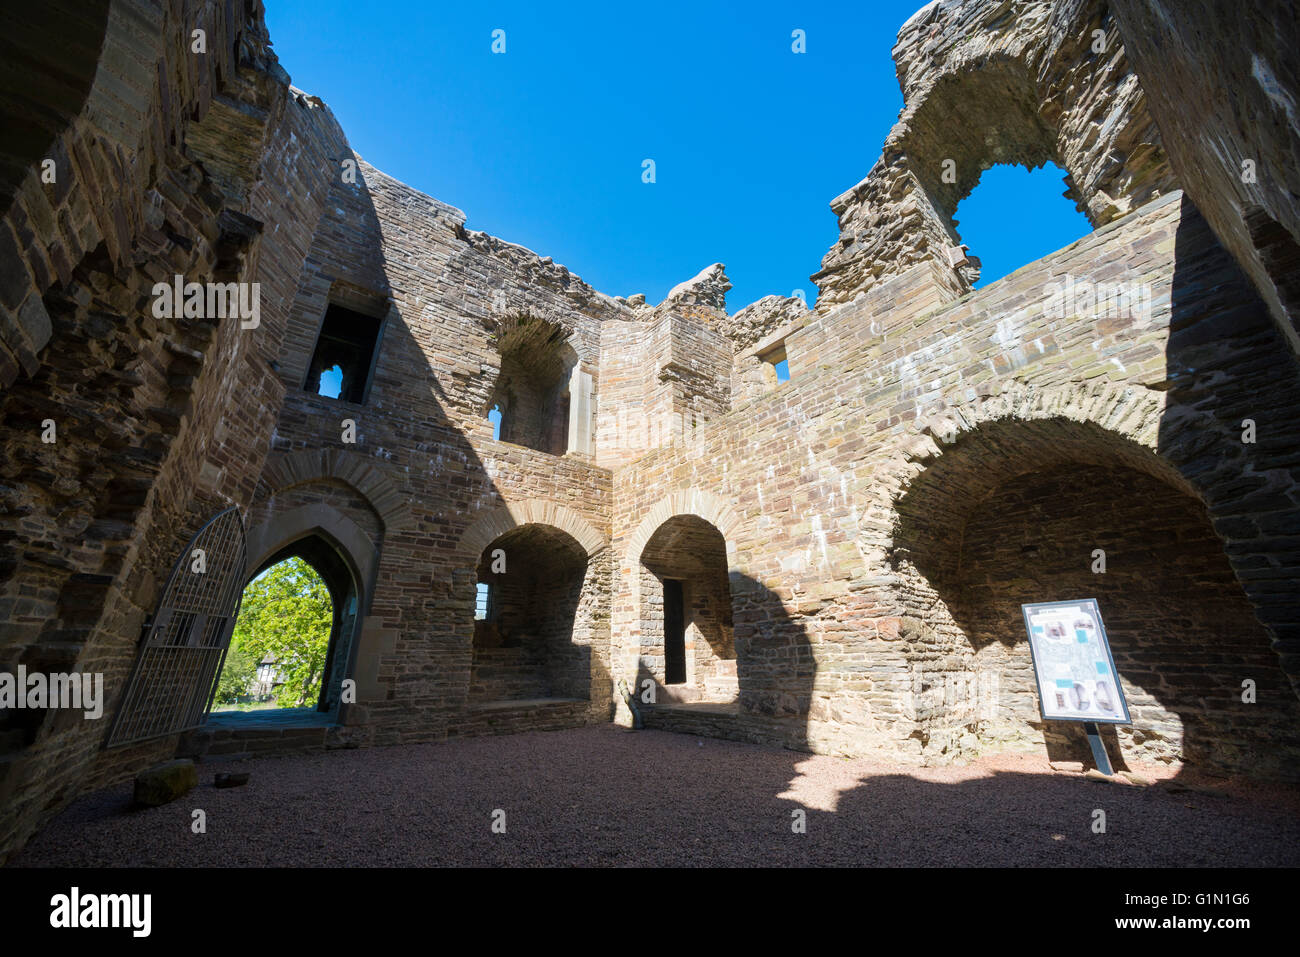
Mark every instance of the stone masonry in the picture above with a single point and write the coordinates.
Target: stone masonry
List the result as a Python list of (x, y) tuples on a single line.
[(852, 545)]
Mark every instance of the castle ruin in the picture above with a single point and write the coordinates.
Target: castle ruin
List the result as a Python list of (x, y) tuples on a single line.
[(833, 563)]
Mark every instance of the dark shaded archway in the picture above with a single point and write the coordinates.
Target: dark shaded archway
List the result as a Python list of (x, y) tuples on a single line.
[(1021, 512), (537, 601)]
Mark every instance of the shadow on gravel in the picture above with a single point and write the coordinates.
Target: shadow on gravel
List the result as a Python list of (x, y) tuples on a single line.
[(659, 799)]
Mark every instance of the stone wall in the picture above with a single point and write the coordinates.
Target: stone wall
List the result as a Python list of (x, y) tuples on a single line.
[(988, 83), (1223, 90), (843, 644), (856, 540), (149, 443)]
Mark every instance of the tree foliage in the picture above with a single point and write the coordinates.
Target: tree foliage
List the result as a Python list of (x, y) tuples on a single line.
[(287, 612)]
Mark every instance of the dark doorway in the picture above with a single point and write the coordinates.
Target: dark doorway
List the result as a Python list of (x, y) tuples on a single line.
[(674, 633)]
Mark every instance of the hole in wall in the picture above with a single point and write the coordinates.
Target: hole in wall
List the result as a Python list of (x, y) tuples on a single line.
[(1015, 216)]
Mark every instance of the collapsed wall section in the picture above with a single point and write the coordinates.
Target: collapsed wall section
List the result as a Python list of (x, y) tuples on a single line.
[(1025, 82)]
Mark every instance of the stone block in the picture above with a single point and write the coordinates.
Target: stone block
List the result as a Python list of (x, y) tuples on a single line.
[(166, 782)]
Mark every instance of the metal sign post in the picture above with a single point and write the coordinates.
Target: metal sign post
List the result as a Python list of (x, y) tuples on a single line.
[(1098, 748), (1074, 669)]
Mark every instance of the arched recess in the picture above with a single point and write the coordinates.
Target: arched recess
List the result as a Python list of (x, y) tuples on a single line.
[(540, 597), (348, 561), (1011, 508), (691, 501), (541, 628), (643, 653), (1131, 414), (538, 386), (496, 522), (687, 632)]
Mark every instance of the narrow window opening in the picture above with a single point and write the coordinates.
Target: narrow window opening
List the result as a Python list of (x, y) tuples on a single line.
[(776, 366), (495, 418), (347, 344)]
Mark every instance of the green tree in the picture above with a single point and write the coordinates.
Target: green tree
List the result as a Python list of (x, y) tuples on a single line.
[(236, 674), (287, 612)]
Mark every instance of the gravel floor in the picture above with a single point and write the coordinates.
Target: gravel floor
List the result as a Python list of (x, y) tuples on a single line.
[(605, 796)]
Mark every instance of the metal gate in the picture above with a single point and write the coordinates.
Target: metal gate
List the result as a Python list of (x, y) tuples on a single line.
[(175, 675)]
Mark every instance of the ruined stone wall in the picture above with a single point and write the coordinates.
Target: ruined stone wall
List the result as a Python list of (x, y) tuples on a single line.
[(146, 451), (1223, 91), (987, 83), (928, 435), (423, 442), (842, 644)]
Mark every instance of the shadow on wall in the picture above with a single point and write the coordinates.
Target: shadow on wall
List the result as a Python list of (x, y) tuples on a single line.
[(1196, 543), (1231, 429), (56, 80), (775, 671)]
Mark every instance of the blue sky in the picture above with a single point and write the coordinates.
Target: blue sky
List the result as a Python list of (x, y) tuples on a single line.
[(543, 145)]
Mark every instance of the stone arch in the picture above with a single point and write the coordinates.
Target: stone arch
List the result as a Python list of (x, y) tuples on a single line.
[(691, 501), (695, 503), (295, 468), (286, 528), (492, 524), (985, 86), (1005, 500), (1130, 415)]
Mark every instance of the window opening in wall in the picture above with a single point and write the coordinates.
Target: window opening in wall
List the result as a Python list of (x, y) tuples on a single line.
[(1016, 216), (776, 366), (347, 343), (532, 388), (495, 418), (331, 382), (481, 601)]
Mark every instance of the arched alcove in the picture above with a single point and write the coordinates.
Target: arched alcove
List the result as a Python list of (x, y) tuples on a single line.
[(687, 634), (532, 391), (1060, 509), (535, 597)]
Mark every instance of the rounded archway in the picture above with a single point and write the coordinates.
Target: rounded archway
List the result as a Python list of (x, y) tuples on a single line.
[(1058, 509), (688, 644), (537, 601)]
